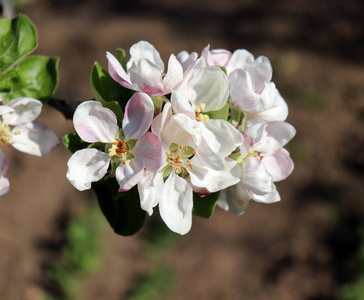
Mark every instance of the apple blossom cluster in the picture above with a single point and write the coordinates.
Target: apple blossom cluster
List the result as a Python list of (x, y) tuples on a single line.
[(19, 129), (213, 124)]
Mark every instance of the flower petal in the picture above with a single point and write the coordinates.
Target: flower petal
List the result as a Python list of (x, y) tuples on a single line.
[(271, 197), (216, 57), (145, 50), (276, 135), (129, 174), (147, 77), (150, 189), (235, 199), (160, 120), (95, 123), (222, 137), (186, 59), (34, 138), (210, 86), (86, 166), (4, 181), (278, 112), (174, 74), (279, 164), (117, 72), (256, 177), (138, 116), (181, 105), (149, 149), (176, 205), (25, 110)]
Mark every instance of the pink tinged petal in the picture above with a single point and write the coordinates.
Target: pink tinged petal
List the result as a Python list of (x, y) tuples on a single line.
[(138, 116), (222, 137), (186, 59), (147, 77), (150, 189), (216, 57), (271, 197), (256, 177), (242, 92), (176, 205), (254, 133), (211, 87), (34, 138), (160, 120), (95, 123), (239, 60), (261, 71), (149, 149), (4, 185), (277, 134), (181, 105), (117, 72), (236, 198), (86, 166), (25, 110), (279, 164), (129, 174), (4, 181), (174, 74), (145, 50)]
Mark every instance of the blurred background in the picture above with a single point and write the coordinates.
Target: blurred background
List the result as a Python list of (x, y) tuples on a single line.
[(56, 244)]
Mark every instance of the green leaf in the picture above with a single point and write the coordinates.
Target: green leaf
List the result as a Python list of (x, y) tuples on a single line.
[(107, 91), (18, 38), (121, 209), (35, 76), (120, 55), (222, 113), (205, 206), (73, 142)]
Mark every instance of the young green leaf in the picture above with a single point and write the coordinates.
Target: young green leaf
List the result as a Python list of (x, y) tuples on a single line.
[(73, 142), (222, 113), (35, 76), (205, 206), (107, 91), (18, 38)]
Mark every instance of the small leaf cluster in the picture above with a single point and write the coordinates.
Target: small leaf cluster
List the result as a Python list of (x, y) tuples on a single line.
[(22, 75)]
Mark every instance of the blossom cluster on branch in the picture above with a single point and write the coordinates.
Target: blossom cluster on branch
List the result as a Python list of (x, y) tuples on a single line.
[(206, 130)]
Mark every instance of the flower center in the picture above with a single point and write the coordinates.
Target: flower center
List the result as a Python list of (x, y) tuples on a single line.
[(5, 135), (253, 154), (199, 115), (120, 150), (179, 159)]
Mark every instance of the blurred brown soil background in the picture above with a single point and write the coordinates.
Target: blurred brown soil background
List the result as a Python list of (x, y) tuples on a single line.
[(290, 250)]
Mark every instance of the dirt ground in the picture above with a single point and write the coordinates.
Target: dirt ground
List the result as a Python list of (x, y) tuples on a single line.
[(290, 250)]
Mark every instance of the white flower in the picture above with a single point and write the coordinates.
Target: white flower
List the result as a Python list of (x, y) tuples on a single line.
[(18, 128), (131, 149), (263, 161), (185, 170)]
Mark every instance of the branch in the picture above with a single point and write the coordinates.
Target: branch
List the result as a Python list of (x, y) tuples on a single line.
[(65, 107)]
